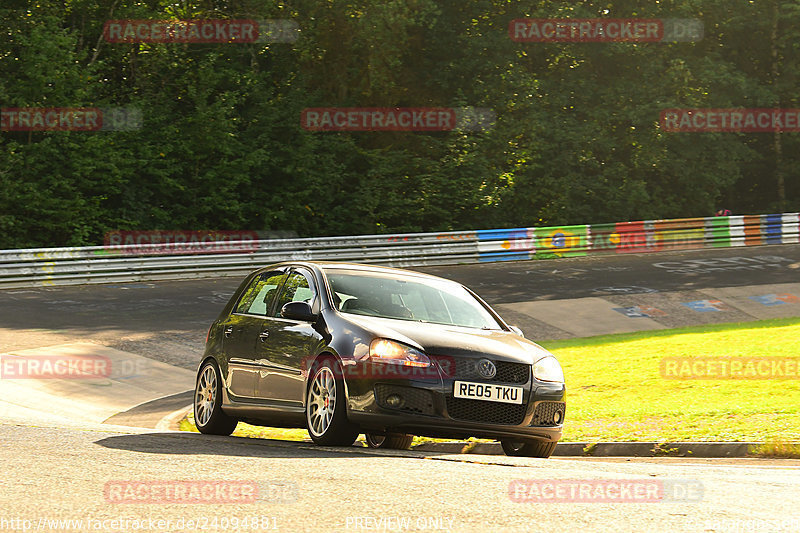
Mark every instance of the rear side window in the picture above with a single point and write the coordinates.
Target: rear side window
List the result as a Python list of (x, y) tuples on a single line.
[(258, 297)]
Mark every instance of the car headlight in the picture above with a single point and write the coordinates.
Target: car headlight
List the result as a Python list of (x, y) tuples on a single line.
[(387, 351), (548, 369)]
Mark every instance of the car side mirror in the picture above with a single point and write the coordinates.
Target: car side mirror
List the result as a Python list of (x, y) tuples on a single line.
[(516, 330), (298, 311)]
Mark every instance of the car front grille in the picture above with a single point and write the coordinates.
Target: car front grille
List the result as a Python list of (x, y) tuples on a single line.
[(545, 412), (466, 368), (414, 401), (482, 411)]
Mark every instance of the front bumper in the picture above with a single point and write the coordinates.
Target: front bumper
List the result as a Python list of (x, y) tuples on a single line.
[(429, 408)]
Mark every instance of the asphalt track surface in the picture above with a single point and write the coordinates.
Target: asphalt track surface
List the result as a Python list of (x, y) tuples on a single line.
[(88, 473), (580, 277), (54, 469), (168, 320)]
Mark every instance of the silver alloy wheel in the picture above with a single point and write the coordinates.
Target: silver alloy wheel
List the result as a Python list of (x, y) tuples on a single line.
[(321, 401), (205, 395)]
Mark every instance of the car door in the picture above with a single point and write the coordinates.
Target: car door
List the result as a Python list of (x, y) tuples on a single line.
[(241, 332), (288, 344)]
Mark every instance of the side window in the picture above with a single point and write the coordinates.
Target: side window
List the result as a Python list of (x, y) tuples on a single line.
[(257, 298), (296, 289)]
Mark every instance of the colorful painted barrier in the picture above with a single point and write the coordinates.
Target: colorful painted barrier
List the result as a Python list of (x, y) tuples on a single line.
[(183, 260), (638, 237)]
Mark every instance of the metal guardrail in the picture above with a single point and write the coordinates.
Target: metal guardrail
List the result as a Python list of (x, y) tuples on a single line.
[(139, 262)]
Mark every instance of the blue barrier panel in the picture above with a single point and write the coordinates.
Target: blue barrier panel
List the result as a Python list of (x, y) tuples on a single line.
[(504, 245), (502, 234), (773, 228)]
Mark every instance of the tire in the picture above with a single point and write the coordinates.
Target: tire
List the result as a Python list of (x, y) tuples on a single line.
[(528, 448), (326, 406), (208, 415), (391, 441)]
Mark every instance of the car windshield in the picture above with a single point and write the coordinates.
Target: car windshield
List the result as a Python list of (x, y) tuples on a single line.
[(408, 298)]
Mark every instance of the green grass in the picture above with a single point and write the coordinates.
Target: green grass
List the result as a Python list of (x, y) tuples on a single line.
[(778, 449), (615, 391)]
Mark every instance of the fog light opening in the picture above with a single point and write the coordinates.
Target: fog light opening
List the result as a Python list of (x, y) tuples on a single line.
[(558, 417)]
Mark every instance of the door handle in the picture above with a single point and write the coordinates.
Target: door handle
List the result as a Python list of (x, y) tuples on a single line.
[(263, 335), (228, 331)]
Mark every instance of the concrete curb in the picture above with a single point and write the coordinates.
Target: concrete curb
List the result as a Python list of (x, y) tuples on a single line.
[(162, 413), (608, 449), (111, 382)]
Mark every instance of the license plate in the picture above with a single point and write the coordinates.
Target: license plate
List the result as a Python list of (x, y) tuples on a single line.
[(487, 391)]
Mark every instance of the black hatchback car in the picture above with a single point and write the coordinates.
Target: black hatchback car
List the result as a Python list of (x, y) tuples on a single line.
[(342, 349)]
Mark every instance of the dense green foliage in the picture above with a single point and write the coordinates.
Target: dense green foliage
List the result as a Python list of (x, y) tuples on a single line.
[(221, 146)]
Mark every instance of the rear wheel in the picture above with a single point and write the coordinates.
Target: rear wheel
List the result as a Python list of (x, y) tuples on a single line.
[(208, 415), (391, 441), (528, 448), (326, 409)]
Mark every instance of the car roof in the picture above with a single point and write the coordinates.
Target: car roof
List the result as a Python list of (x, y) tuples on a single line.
[(361, 267)]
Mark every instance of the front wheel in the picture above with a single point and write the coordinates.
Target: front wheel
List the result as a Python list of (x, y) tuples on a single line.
[(528, 448), (392, 441), (326, 410), (208, 415)]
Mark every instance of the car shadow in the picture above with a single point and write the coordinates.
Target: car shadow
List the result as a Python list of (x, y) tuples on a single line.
[(185, 443)]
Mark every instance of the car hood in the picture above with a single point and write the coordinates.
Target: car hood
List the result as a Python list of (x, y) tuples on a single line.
[(444, 340)]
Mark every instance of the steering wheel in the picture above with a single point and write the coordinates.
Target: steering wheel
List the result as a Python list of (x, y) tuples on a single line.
[(359, 307), (370, 310)]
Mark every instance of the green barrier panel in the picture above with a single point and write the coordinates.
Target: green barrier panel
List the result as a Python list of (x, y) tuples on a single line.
[(718, 232), (560, 241)]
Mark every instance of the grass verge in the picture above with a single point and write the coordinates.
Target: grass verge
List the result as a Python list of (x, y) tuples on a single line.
[(777, 450), (616, 391)]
